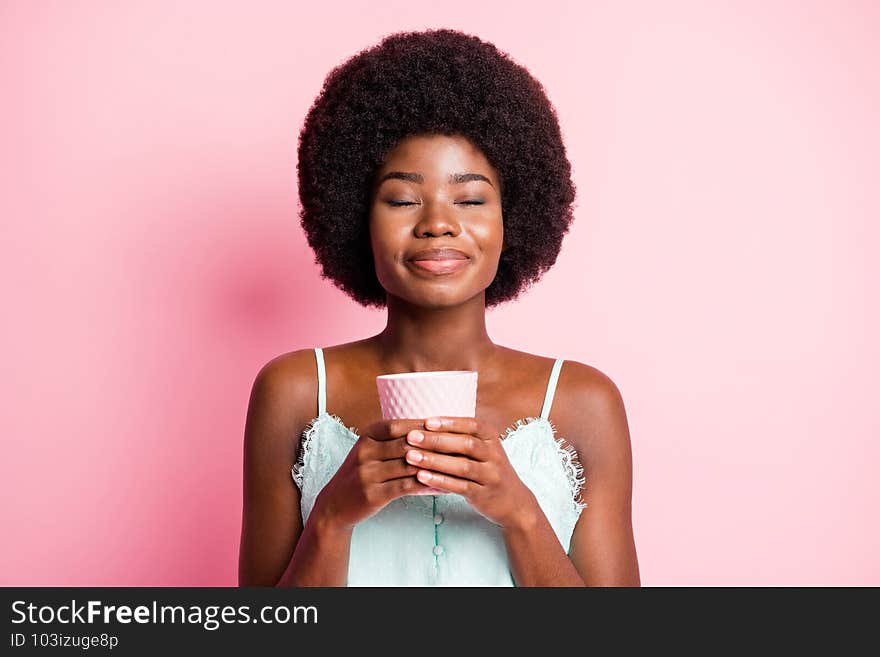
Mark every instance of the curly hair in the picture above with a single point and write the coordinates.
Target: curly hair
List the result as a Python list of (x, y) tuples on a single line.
[(438, 81)]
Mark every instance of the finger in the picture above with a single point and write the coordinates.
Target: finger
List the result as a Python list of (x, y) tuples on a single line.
[(395, 488), (382, 471), (469, 425), (447, 482), (428, 490), (449, 443), (391, 429), (383, 450), (458, 466), (386, 450)]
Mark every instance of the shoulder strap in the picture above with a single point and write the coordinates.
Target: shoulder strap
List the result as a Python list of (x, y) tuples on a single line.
[(322, 382), (551, 388)]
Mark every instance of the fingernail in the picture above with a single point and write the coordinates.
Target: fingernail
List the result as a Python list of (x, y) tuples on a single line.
[(424, 475), (432, 423), (416, 437), (414, 456)]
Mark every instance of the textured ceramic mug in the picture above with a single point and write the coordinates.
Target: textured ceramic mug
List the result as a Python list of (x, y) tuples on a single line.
[(420, 395)]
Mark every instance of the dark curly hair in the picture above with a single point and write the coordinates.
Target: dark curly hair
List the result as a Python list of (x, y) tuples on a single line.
[(438, 81)]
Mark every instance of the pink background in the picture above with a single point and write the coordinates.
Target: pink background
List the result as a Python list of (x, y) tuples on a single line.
[(719, 269)]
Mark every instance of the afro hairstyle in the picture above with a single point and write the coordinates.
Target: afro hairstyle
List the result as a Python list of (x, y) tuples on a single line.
[(438, 81)]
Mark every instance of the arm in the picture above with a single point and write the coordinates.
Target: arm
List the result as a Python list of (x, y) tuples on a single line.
[(602, 544), (535, 553), (275, 549), (321, 555)]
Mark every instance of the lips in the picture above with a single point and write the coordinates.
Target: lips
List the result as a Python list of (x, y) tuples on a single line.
[(444, 253), (440, 266), (439, 260)]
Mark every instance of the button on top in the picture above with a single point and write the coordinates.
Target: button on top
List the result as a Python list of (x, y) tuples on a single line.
[(438, 518), (438, 550)]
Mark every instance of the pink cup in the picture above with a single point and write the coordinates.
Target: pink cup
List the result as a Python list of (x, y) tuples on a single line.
[(420, 395)]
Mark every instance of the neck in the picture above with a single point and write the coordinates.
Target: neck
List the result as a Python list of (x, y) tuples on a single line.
[(419, 339)]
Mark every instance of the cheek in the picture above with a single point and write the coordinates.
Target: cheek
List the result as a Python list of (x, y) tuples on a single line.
[(489, 235), (387, 244), (386, 241)]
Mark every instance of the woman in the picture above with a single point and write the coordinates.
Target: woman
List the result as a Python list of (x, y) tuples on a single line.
[(434, 182)]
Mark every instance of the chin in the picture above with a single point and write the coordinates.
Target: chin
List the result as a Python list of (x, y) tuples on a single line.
[(436, 299)]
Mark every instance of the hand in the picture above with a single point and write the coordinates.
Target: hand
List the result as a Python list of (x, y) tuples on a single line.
[(464, 455), (373, 474)]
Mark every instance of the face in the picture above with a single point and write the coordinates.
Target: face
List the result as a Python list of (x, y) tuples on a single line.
[(432, 193)]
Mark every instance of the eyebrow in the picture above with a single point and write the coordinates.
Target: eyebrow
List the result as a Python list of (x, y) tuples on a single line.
[(454, 179)]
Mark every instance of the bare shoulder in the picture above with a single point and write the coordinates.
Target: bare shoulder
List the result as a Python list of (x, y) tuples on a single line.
[(589, 410), (284, 394), (580, 378), (290, 373)]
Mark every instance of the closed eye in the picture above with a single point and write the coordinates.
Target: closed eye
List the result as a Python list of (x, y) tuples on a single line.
[(397, 204)]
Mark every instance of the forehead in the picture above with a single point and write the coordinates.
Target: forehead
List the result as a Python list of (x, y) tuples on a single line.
[(437, 156)]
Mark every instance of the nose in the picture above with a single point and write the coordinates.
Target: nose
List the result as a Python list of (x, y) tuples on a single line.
[(434, 221)]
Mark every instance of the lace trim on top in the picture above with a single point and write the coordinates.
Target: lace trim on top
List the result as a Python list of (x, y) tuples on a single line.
[(574, 471), (309, 433)]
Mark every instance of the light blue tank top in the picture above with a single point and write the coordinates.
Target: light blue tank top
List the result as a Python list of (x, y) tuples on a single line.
[(441, 540)]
